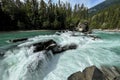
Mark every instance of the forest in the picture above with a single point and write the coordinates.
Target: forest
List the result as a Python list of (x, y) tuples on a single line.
[(108, 18), (38, 15), (35, 15)]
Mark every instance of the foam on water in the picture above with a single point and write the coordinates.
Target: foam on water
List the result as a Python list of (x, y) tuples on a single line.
[(23, 64)]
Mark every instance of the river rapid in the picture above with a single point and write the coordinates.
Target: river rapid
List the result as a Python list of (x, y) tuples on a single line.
[(21, 63)]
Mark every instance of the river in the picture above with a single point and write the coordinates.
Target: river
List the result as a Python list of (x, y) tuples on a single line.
[(23, 64)]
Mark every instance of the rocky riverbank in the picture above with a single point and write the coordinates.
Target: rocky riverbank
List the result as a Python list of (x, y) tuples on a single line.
[(94, 73)]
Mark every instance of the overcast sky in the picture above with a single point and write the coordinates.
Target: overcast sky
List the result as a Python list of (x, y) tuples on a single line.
[(88, 3)]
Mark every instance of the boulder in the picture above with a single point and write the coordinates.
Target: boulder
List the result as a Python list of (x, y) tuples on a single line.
[(93, 73), (17, 40), (77, 76), (59, 48), (53, 46), (45, 45), (90, 73), (111, 73), (2, 52), (94, 37), (83, 27)]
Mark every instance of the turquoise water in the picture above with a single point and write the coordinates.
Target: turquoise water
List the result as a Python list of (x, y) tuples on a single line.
[(13, 35), (24, 64)]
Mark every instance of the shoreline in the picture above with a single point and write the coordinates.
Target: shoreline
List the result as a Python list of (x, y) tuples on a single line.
[(108, 30), (25, 31)]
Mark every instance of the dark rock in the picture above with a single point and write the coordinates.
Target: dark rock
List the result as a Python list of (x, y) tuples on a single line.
[(18, 40), (93, 73), (72, 46), (2, 53), (117, 78), (52, 45), (90, 73), (59, 49), (77, 76), (45, 45), (94, 37)]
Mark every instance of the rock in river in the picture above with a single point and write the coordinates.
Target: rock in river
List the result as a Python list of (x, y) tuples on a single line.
[(90, 73), (17, 40), (59, 49), (44, 45), (53, 46)]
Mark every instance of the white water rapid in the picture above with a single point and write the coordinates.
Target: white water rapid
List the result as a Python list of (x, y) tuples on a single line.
[(23, 64)]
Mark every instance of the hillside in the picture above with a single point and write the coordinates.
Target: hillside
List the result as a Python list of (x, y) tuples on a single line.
[(107, 18), (103, 5)]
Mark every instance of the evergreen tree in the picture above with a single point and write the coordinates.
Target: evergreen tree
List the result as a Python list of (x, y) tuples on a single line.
[(33, 14), (107, 18)]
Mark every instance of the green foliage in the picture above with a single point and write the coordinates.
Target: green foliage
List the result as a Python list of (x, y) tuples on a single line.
[(46, 24), (56, 24), (33, 14), (107, 18), (103, 5)]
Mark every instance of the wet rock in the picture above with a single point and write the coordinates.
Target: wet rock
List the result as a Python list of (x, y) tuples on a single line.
[(111, 73), (94, 37), (45, 45), (2, 53), (90, 73), (53, 46), (93, 73), (59, 49), (17, 40), (77, 76)]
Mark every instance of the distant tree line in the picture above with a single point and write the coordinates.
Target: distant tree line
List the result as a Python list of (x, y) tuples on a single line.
[(108, 18), (33, 14)]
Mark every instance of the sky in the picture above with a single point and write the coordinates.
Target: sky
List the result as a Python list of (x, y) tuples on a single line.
[(88, 3)]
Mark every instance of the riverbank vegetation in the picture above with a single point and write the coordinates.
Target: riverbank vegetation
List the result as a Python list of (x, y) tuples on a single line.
[(35, 15)]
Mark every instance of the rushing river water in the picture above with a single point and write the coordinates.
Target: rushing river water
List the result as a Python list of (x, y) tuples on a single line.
[(22, 63)]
